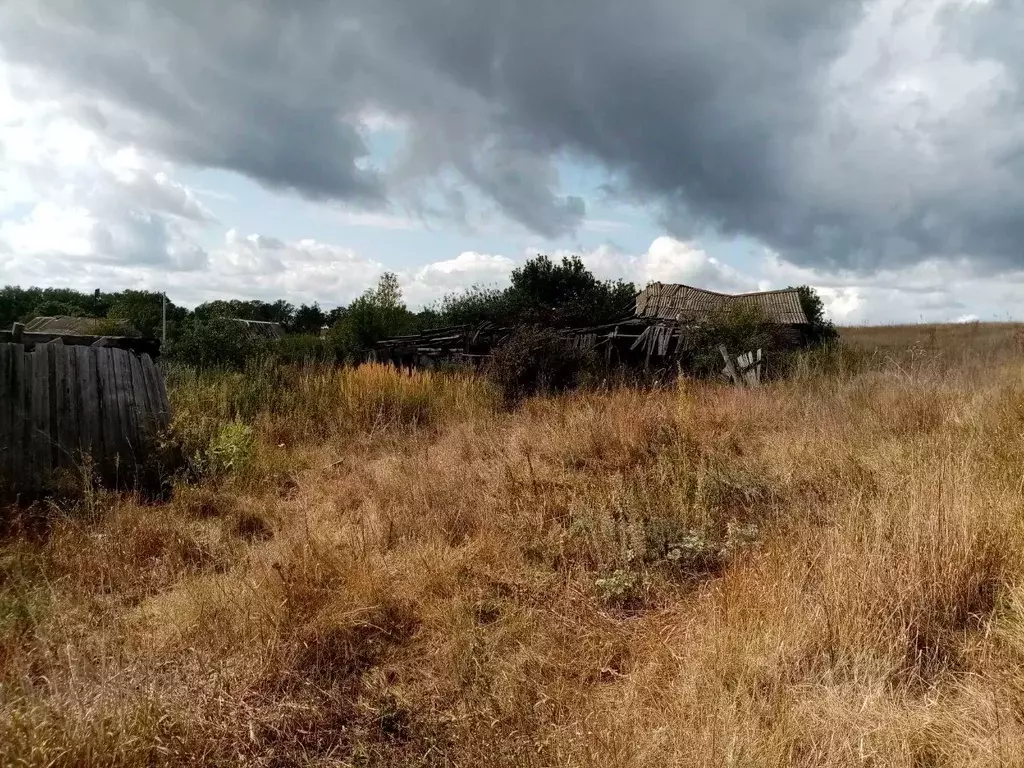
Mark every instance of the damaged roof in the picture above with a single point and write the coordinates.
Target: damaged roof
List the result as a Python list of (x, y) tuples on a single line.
[(670, 301)]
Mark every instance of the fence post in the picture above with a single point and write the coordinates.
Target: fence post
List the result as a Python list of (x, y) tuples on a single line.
[(730, 366), (17, 330)]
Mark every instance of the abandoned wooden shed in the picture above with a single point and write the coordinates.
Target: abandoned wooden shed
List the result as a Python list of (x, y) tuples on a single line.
[(659, 331), (72, 403)]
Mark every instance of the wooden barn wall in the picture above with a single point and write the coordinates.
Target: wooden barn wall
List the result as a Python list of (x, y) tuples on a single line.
[(62, 407)]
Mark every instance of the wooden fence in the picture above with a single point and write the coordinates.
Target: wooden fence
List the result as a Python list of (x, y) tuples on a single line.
[(63, 408)]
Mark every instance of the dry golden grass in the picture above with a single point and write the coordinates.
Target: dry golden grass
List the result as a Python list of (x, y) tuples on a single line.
[(826, 571)]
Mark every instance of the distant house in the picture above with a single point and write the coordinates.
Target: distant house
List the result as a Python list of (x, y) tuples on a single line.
[(685, 304), (63, 325), (259, 329)]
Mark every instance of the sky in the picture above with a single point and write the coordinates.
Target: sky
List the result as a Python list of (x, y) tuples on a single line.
[(297, 149)]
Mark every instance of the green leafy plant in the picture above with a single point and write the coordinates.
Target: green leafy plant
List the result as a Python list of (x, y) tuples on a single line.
[(622, 587), (231, 450)]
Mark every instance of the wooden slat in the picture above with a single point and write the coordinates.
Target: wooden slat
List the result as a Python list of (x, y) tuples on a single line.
[(28, 443), (18, 421), (90, 435), (6, 404), (125, 405), (144, 411), (110, 420), (165, 404), (150, 374), (55, 365), (69, 430), (43, 467)]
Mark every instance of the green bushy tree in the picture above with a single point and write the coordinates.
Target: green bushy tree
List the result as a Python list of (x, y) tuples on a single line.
[(556, 294), (377, 314), (216, 342), (820, 329)]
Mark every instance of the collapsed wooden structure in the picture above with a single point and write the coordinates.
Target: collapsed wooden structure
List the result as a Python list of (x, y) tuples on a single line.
[(661, 332)]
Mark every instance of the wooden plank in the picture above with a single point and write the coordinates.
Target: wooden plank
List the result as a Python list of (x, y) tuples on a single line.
[(55, 384), (41, 449), (730, 366), (152, 394), (143, 415), (90, 434), (110, 420), (17, 330), (18, 421), (69, 429), (165, 403), (125, 405), (6, 432), (157, 398)]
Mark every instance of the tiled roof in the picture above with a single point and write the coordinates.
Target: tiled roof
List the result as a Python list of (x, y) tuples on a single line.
[(683, 302)]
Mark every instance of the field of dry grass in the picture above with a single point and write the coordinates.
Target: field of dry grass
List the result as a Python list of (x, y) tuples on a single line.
[(384, 569)]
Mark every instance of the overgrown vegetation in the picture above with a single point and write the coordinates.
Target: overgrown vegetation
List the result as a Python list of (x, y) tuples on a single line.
[(384, 568), (537, 359)]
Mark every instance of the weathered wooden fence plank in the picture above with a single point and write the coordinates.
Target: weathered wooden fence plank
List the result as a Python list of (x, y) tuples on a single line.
[(69, 427), (90, 440), (125, 404), (40, 392), (17, 428), (6, 406), (143, 408), (110, 418), (161, 389)]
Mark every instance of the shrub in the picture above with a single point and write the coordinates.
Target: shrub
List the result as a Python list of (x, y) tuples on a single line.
[(534, 359), (820, 329), (741, 329), (215, 343), (302, 349)]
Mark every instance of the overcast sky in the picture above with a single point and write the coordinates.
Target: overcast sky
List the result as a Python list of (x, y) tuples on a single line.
[(297, 149)]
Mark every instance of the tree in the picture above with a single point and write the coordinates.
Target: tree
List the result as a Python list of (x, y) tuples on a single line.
[(820, 328), (308, 319), (278, 312), (544, 292), (20, 304), (143, 312), (377, 314), (474, 306), (215, 343), (55, 308)]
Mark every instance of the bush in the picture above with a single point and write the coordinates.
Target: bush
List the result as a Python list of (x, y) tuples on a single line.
[(215, 343), (302, 349), (535, 359), (231, 449), (820, 330), (741, 329)]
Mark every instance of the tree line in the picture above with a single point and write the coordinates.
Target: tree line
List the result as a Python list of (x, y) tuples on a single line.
[(541, 292)]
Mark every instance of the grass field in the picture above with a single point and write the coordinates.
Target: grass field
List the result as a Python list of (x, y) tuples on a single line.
[(389, 569)]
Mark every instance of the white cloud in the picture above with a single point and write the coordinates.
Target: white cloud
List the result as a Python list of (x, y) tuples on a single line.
[(466, 270), (667, 260)]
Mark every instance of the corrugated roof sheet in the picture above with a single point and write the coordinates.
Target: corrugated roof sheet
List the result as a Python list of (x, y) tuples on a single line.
[(75, 326), (260, 329), (668, 301)]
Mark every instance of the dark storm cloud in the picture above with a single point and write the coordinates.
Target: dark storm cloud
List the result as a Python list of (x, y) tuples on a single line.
[(734, 116)]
